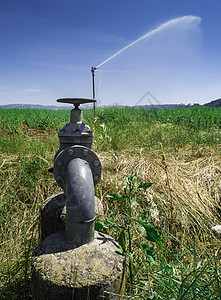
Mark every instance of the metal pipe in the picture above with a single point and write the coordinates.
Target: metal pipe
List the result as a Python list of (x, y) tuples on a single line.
[(80, 203), (93, 85)]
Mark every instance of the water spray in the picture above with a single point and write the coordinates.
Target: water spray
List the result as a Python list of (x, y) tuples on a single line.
[(183, 20), (165, 25)]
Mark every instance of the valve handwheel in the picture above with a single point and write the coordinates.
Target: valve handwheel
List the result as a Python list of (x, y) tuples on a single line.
[(76, 101)]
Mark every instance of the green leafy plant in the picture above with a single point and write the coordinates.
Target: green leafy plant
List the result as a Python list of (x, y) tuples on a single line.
[(130, 227)]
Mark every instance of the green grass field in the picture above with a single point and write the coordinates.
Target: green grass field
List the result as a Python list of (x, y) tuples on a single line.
[(176, 150)]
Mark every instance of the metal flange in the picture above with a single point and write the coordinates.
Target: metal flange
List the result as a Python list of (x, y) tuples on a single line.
[(69, 153)]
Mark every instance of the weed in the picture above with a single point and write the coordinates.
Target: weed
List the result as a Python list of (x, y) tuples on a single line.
[(126, 226)]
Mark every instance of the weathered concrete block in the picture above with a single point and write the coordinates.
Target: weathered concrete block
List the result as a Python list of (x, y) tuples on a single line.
[(94, 271), (53, 213)]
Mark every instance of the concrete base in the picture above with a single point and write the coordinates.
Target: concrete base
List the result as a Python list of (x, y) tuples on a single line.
[(53, 213), (93, 271)]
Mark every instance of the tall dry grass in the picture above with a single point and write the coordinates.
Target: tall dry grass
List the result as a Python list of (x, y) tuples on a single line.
[(192, 180), (183, 204)]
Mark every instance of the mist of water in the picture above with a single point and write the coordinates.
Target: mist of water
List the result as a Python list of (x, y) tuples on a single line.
[(185, 21)]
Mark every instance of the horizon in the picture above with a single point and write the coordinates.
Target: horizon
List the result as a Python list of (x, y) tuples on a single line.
[(90, 106)]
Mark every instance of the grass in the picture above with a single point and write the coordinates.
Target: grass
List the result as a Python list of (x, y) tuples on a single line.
[(189, 241), (177, 150)]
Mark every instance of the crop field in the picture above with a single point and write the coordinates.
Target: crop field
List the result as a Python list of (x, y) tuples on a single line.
[(160, 188)]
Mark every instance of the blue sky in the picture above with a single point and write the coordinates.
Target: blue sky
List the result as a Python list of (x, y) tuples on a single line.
[(48, 48)]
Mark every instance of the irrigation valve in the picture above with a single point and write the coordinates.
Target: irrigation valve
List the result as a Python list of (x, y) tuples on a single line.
[(75, 132), (76, 170)]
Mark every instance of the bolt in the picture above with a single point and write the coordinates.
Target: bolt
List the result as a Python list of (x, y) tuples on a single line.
[(96, 163), (70, 152), (59, 178), (96, 178), (85, 152), (60, 163)]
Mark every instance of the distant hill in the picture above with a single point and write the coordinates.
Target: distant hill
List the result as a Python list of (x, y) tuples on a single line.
[(214, 103), (34, 106), (165, 106), (38, 106)]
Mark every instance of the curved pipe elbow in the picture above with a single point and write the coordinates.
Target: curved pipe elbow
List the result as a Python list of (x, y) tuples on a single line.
[(80, 202)]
